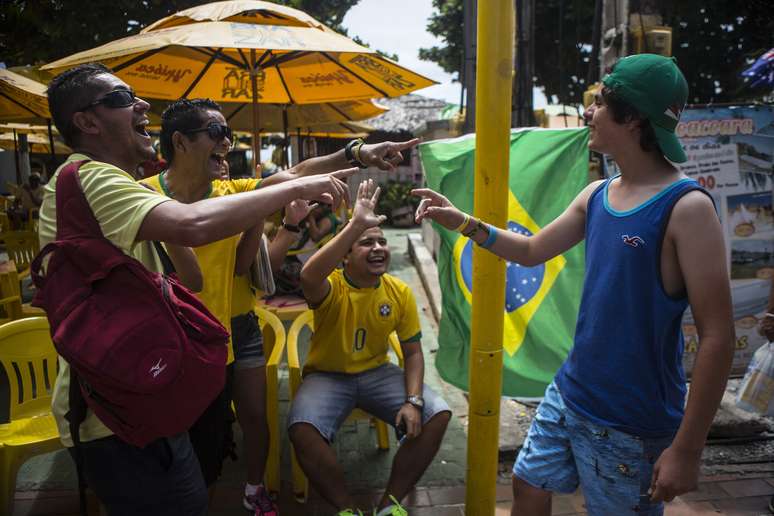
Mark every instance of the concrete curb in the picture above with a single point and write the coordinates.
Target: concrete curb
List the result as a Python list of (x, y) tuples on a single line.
[(428, 272)]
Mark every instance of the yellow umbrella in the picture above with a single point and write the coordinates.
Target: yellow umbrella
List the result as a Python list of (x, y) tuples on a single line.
[(26, 128), (37, 142), (22, 99), (240, 11), (276, 118), (250, 63)]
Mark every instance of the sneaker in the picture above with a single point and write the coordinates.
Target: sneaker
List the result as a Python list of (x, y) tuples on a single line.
[(396, 509), (260, 503)]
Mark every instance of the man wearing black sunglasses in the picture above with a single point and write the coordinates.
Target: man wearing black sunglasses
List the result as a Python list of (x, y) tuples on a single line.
[(195, 139), (94, 113)]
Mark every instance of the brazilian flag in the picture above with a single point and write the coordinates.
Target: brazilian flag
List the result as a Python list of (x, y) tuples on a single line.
[(548, 168)]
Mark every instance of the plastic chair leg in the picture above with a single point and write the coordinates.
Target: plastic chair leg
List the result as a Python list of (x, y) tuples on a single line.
[(382, 435), (272, 476), (7, 481)]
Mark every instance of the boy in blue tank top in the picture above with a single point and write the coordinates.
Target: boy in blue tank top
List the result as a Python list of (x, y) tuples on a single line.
[(615, 421)]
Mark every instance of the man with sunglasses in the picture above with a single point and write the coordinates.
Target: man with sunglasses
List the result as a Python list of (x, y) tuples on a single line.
[(195, 139), (100, 118)]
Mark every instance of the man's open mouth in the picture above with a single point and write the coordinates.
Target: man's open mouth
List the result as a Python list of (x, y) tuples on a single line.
[(141, 129), (377, 259)]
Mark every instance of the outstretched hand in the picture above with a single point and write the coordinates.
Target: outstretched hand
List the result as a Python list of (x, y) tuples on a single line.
[(327, 188), (385, 155), (365, 204), (297, 211), (437, 208)]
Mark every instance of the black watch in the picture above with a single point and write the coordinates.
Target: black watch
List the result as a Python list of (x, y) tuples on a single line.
[(293, 228), (417, 401)]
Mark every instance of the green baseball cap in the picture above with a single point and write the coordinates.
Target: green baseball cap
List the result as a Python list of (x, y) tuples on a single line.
[(655, 87)]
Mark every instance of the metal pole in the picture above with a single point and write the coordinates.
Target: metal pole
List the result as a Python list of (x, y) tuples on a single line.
[(493, 123), (256, 120)]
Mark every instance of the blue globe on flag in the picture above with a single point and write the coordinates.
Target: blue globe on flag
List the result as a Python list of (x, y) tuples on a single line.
[(521, 283)]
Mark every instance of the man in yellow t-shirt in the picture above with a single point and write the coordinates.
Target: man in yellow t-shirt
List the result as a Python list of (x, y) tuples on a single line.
[(99, 116), (195, 139), (355, 311)]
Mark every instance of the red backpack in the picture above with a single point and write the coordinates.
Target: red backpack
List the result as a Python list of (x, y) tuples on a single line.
[(148, 355)]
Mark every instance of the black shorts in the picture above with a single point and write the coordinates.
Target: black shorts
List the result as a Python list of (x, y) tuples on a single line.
[(212, 436), (162, 479)]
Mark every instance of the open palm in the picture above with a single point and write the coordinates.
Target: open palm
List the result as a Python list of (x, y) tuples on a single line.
[(367, 197)]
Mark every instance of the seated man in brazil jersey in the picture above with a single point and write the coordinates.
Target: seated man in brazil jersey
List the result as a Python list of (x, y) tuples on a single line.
[(355, 311)]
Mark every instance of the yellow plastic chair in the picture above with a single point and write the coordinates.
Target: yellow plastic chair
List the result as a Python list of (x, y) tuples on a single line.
[(30, 362), (306, 319), (10, 290), (286, 312), (22, 247), (274, 347)]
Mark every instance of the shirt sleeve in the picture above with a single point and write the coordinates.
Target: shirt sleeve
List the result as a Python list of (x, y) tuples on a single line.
[(119, 203), (247, 184), (408, 329), (330, 302)]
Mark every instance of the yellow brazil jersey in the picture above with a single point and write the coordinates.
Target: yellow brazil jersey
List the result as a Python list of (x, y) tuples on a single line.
[(243, 299), (216, 259), (353, 325)]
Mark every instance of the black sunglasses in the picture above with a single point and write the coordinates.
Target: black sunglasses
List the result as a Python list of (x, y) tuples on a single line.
[(215, 131), (114, 100)]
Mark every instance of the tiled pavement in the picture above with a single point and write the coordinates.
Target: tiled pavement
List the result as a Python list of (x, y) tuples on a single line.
[(46, 484)]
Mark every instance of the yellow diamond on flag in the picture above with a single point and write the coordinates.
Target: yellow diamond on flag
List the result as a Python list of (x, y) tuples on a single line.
[(525, 287)]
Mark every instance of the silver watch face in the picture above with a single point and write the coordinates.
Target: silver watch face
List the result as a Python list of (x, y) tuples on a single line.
[(416, 400)]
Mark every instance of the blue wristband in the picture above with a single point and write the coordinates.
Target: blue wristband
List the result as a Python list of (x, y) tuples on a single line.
[(490, 240)]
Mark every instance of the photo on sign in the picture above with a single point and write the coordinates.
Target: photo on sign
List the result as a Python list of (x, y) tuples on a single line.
[(756, 163), (750, 216), (752, 259)]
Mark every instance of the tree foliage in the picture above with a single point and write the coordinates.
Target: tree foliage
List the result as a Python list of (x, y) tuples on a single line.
[(447, 23), (40, 31), (713, 42)]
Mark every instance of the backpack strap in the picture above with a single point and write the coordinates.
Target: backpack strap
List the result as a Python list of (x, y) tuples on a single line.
[(74, 217), (166, 261), (76, 415)]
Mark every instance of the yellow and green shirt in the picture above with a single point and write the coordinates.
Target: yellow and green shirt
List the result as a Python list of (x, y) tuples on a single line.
[(120, 205), (217, 259), (353, 325)]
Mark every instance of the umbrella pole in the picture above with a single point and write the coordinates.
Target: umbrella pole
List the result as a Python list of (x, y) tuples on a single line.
[(16, 158), (300, 144), (286, 137), (256, 120)]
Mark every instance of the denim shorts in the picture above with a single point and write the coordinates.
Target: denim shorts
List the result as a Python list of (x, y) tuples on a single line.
[(324, 400), (563, 450), (247, 340)]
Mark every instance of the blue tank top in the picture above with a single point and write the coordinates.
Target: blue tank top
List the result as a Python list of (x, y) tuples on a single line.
[(625, 369)]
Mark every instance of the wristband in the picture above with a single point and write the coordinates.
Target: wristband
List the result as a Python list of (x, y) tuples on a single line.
[(490, 239), (462, 226), (293, 228), (352, 153)]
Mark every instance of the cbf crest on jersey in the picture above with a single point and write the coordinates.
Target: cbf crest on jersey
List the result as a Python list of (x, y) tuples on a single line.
[(548, 168), (385, 309)]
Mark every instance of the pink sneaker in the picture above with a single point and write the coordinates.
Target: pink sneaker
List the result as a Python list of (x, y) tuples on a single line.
[(261, 503)]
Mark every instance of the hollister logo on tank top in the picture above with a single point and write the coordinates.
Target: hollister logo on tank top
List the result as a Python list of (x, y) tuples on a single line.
[(632, 241)]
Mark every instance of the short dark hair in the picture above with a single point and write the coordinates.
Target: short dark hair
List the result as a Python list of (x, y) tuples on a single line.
[(624, 112), (70, 91), (182, 115)]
